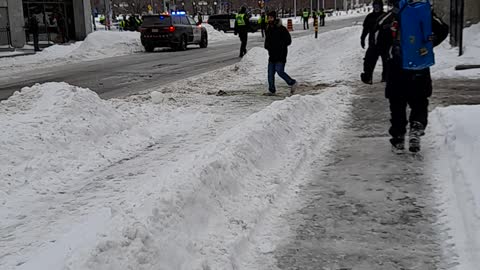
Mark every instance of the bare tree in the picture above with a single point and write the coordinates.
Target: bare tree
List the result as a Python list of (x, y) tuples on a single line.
[(130, 6)]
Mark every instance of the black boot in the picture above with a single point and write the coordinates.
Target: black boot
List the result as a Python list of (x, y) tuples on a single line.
[(398, 144), (367, 79), (416, 131)]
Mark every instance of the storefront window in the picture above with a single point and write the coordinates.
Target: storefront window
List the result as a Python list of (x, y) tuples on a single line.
[(55, 19)]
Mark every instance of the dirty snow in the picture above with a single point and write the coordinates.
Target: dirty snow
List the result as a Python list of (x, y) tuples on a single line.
[(447, 57), (179, 178), (174, 179)]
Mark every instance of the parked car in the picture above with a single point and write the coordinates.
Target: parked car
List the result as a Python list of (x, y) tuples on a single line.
[(176, 30), (226, 22)]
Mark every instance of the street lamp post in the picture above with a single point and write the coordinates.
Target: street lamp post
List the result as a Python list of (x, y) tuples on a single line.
[(295, 8), (215, 7)]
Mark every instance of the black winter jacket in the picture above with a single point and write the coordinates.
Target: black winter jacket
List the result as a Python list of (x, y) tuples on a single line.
[(277, 40), (369, 27), (400, 80)]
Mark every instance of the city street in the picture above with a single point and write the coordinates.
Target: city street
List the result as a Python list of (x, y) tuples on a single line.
[(126, 75), (182, 161)]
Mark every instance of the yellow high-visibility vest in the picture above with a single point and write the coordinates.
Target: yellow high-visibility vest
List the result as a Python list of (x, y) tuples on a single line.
[(241, 20)]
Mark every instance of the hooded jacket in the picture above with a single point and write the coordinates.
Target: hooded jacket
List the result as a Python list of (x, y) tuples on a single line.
[(277, 40)]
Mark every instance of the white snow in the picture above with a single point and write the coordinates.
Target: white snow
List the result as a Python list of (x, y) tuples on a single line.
[(180, 179), (447, 57), (456, 152), (215, 36), (97, 45), (174, 179), (337, 15), (309, 61)]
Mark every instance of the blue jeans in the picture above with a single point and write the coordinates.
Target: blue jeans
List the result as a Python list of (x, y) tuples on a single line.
[(278, 68)]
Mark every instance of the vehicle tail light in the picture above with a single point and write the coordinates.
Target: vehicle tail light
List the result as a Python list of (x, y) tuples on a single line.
[(171, 29)]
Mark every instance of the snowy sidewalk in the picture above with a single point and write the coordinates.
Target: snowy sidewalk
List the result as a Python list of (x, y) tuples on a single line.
[(370, 209)]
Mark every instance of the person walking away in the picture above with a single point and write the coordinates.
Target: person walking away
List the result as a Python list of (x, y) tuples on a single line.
[(408, 87), (305, 16), (322, 17), (242, 25), (372, 54), (200, 18), (263, 23), (277, 41), (33, 28)]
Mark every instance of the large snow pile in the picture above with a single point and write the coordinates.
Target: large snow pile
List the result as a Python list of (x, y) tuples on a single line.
[(197, 212), (160, 186), (331, 59), (215, 35), (457, 154), (56, 130), (97, 45), (447, 57), (107, 44), (201, 215)]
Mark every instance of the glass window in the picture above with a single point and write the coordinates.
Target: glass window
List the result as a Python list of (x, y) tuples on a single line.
[(192, 21), (185, 20), (156, 20), (176, 20)]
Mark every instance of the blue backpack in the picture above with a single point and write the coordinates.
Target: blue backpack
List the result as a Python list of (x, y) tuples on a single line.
[(415, 21)]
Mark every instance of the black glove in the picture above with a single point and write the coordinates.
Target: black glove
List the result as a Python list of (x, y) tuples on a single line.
[(362, 42)]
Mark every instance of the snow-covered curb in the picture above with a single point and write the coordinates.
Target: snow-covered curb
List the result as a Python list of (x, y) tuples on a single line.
[(97, 45), (456, 156), (447, 57)]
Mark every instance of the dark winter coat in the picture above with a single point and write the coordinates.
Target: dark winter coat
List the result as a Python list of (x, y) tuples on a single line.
[(399, 80), (33, 24), (369, 27), (277, 40)]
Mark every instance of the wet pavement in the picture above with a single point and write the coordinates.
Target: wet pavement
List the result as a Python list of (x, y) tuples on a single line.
[(370, 208)]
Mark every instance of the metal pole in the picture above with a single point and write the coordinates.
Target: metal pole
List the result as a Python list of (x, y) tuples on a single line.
[(311, 6), (295, 8), (323, 4), (460, 24)]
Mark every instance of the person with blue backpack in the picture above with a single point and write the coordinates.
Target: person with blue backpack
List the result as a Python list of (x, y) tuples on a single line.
[(409, 32)]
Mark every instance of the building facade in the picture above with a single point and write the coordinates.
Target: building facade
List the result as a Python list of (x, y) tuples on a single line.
[(59, 20)]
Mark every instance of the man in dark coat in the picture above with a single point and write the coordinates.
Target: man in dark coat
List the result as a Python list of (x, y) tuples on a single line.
[(242, 25), (277, 41), (372, 54), (34, 30), (263, 23), (406, 87)]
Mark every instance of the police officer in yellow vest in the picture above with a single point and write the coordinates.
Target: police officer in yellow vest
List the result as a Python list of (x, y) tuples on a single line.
[(321, 15), (242, 25), (305, 17)]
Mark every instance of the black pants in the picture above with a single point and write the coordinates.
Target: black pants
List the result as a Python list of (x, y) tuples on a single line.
[(305, 22), (407, 88), (322, 21), (243, 38), (263, 32), (36, 44), (370, 61)]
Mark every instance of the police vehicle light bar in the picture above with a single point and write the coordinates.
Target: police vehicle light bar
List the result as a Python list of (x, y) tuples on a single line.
[(178, 13)]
